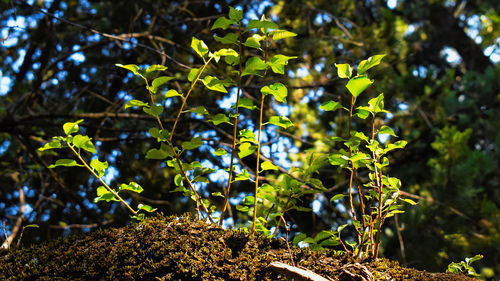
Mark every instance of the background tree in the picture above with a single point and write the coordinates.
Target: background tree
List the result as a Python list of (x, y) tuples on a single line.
[(440, 78)]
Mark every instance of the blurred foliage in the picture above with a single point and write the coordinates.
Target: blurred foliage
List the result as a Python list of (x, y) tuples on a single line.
[(57, 65)]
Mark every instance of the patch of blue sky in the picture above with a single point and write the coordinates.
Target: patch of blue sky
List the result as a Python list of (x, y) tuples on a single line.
[(228, 100), (392, 4), (403, 106), (493, 52), (4, 146), (302, 72), (282, 109), (322, 18), (19, 60), (5, 84), (451, 55)]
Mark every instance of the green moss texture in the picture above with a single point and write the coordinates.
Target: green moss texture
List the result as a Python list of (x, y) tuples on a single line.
[(183, 248)]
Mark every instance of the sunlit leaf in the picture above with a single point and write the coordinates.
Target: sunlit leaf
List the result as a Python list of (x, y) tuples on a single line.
[(193, 73), (281, 34), (369, 63), (199, 47), (268, 166), (156, 67), (160, 154), (131, 67), (344, 70), (357, 85), (71, 127), (99, 167), (235, 14), (278, 90), (220, 152), (330, 106), (65, 162), (159, 82), (51, 145), (200, 110), (193, 143), (337, 197), (84, 142), (132, 186), (246, 149), (222, 23), (229, 38), (172, 93), (154, 110), (146, 208), (132, 103), (281, 121), (386, 130), (220, 118)]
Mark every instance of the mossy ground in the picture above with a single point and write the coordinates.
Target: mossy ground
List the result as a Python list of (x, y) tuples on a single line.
[(181, 248)]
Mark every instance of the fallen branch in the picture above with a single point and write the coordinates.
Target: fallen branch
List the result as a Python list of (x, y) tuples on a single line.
[(296, 272)]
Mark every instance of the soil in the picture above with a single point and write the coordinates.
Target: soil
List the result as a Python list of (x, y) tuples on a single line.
[(183, 248)]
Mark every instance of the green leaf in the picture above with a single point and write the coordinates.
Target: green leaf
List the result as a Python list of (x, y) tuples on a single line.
[(172, 93), (99, 166), (156, 67), (377, 104), (357, 85), (344, 70), (193, 143), (247, 135), (132, 186), (243, 176), (245, 103), (246, 149), (160, 135), (220, 118), (199, 47), (131, 67), (268, 166), (253, 66), (222, 23), (200, 110), (234, 14), (253, 41), (214, 84), (242, 208), (299, 238), (146, 208), (281, 34), (220, 152), (226, 52), (84, 142), (193, 73), (132, 103), (51, 145), (330, 106), (159, 82), (409, 201), (281, 121), (386, 130), (217, 194), (473, 259), (262, 24), (337, 197), (160, 154), (31, 226), (338, 159), (278, 62), (397, 145), (103, 194), (369, 63), (71, 127), (362, 113), (278, 90), (154, 110), (65, 162), (229, 38)]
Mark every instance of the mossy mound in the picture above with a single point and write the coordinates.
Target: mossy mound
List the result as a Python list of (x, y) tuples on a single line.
[(183, 248)]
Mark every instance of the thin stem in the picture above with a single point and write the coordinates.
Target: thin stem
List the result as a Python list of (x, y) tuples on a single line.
[(184, 99), (176, 155), (353, 213), (235, 129), (258, 143), (103, 183)]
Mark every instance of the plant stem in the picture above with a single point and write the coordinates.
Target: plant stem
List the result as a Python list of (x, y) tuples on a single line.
[(184, 99), (258, 143), (103, 183), (235, 129), (176, 155)]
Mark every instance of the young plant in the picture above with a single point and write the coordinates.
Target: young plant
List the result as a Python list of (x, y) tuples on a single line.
[(464, 266), (377, 200), (79, 144)]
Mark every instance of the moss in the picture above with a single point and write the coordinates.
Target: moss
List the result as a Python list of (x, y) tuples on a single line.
[(181, 248)]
